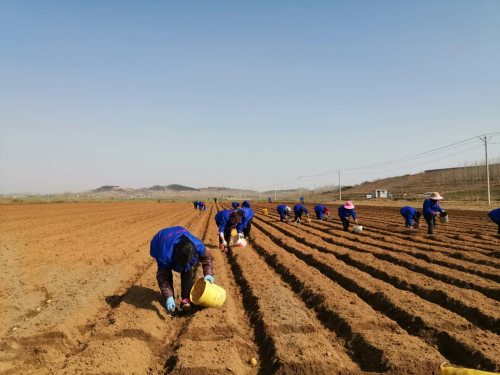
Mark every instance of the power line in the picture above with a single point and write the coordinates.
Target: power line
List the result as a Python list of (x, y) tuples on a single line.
[(451, 146)]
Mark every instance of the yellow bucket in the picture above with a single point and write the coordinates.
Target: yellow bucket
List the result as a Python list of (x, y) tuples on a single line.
[(463, 371), (207, 294), (264, 211)]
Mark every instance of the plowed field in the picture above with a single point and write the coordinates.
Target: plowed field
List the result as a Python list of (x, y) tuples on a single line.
[(78, 294)]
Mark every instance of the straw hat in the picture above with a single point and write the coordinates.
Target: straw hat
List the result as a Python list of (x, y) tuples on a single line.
[(435, 196), (349, 205)]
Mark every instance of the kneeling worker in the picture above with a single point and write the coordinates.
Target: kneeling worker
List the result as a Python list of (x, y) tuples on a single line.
[(284, 212), (410, 214), (246, 204), (321, 210), (298, 210), (175, 249)]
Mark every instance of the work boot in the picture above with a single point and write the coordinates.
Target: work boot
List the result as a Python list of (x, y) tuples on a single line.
[(186, 305)]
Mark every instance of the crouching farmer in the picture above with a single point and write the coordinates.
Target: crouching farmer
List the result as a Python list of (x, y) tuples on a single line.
[(226, 220), (321, 210), (495, 216), (345, 213), (284, 212), (175, 249), (410, 214)]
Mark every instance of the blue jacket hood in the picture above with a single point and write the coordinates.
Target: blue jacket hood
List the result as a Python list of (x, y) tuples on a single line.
[(163, 245)]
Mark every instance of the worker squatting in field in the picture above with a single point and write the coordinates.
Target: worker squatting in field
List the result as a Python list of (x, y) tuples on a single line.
[(175, 249)]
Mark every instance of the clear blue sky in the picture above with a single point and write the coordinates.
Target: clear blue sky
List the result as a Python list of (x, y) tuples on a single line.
[(238, 93)]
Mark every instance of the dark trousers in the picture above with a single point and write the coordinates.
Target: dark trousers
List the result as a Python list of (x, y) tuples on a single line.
[(407, 223), (345, 223), (186, 283), (227, 235), (246, 231), (431, 223)]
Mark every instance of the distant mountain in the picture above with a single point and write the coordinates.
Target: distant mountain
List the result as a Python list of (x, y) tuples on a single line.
[(176, 187), (104, 188)]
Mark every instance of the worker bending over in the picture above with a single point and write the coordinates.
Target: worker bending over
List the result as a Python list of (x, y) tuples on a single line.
[(298, 210), (410, 214), (321, 210), (226, 220), (345, 213), (175, 249), (431, 209), (284, 212), (495, 216)]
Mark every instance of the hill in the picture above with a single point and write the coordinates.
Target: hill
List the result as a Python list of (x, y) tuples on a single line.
[(467, 183)]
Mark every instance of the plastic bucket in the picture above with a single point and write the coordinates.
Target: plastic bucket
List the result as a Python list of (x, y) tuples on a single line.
[(444, 219), (207, 294), (357, 228), (264, 211)]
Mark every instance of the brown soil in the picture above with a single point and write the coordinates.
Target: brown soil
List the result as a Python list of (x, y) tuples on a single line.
[(306, 298)]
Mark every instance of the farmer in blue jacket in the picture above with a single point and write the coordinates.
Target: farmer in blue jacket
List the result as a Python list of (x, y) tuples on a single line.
[(345, 212), (235, 205), (245, 225), (321, 210), (495, 216), (298, 210), (246, 204), (301, 199), (226, 220), (202, 206), (175, 249), (284, 211), (410, 214), (431, 208), (195, 204)]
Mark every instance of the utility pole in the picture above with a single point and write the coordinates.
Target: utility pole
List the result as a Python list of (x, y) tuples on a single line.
[(340, 189), (300, 189), (487, 167)]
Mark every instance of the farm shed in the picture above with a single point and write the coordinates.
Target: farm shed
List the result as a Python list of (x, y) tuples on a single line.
[(379, 193)]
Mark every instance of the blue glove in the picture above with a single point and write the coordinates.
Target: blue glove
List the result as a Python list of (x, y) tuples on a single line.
[(209, 278), (170, 304)]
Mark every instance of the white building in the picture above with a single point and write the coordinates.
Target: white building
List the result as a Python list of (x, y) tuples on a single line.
[(379, 193)]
